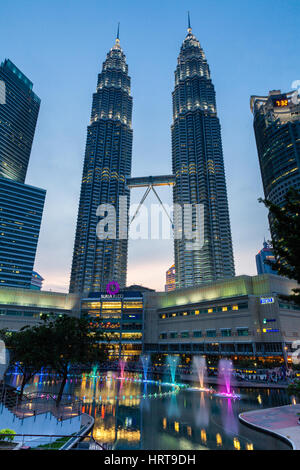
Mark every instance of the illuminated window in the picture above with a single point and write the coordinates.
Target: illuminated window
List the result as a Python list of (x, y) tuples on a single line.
[(93, 305), (235, 307), (210, 310), (197, 334), (132, 305), (224, 309), (185, 334), (111, 305)]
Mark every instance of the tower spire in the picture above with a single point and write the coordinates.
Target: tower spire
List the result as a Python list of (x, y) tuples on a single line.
[(117, 43), (189, 29)]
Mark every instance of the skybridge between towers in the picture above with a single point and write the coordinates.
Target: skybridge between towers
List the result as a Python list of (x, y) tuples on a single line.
[(146, 181), (150, 182)]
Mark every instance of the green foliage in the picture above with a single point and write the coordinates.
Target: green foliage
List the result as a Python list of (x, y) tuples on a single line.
[(285, 228), (294, 387), (72, 341), (8, 438), (30, 348), (58, 342)]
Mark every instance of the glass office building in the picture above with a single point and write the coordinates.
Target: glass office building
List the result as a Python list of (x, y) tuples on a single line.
[(21, 205), (170, 279), (198, 167), (21, 210), (265, 254), (277, 132), (120, 317), (19, 109), (98, 261)]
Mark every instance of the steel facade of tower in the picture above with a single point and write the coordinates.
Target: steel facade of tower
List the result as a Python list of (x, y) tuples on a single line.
[(21, 211), (107, 164), (21, 205), (18, 117), (197, 162), (277, 131)]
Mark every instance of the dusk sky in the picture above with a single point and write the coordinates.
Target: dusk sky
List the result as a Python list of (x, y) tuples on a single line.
[(252, 46)]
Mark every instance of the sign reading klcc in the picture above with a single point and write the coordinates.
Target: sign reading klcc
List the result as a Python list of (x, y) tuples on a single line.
[(266, 300)]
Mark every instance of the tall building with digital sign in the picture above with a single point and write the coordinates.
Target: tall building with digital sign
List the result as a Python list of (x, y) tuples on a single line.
[(265, 254), (98, 261), (21, 205), (198, 167), (170, 279), (277, 133), (19, 109)]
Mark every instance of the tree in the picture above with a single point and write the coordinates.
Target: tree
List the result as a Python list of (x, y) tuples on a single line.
[(28, 347), (59, 343), (74, 341), (7, 435), (285, 229)]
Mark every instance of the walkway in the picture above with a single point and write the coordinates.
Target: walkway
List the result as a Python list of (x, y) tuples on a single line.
[(281, 421)]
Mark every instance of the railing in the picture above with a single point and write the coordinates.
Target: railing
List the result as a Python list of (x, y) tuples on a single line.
[(34, 403), (40, 441)]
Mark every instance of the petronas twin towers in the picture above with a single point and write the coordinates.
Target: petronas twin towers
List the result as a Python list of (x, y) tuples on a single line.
[(197, 165)]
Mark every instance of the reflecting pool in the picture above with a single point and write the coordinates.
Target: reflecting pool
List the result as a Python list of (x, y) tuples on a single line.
[(132, 414)]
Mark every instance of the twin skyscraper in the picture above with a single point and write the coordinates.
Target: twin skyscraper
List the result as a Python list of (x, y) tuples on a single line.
[(197, 167)]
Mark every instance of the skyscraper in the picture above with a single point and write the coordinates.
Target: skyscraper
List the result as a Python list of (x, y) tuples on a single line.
[(21, 210), (107, 163), (197, 161), (277, 132), (18, 117), (21, 205), (170, 279), (266, 253)]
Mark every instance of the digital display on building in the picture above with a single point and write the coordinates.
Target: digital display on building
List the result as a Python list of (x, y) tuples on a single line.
[(280, 102)]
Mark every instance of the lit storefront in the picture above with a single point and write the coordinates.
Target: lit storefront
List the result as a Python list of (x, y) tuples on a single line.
[(120, 317)]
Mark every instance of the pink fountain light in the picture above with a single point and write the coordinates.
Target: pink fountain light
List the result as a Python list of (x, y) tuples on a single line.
[(225, 375), (122, 365)]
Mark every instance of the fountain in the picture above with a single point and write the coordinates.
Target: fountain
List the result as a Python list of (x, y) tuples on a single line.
[(95, 369), (145, 358), (199, 365), (122, 364), (225, 375), (172, 362)]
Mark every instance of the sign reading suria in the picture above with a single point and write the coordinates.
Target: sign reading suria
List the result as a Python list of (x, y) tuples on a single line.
[(266, 300)]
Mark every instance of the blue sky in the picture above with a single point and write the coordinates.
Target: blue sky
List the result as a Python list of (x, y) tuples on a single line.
[(251, 46)]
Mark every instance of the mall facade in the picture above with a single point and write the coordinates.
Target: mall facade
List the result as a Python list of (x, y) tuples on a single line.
[(121, 318), (246, 317)]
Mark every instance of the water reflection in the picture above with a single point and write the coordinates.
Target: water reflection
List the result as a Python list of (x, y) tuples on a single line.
[(172, 408), (133, 415), (229, 420), (202, 416)]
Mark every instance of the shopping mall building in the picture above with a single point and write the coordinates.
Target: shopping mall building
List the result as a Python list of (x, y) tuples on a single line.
[(242, 317)]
